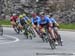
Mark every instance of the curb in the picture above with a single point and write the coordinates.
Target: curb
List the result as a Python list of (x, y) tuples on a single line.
[(67, 30), (7, 26)]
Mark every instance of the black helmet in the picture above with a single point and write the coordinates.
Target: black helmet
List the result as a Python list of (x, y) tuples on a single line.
[(51, 15)]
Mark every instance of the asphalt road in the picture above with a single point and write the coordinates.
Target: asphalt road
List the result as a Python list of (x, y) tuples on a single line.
[(12, 44)]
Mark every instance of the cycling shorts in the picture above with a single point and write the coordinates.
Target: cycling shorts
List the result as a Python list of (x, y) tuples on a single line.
[(43, 25), (35, 23)]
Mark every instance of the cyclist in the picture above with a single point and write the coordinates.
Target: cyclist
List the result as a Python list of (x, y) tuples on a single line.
[(45, 21), (55, 26), (20, 22), (23, 19), (13, 20), (35, 20), (27, 20)]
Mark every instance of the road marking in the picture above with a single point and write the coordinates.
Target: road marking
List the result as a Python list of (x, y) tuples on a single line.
[(51, 55), (55, 54), (16, 39), (59, 55)]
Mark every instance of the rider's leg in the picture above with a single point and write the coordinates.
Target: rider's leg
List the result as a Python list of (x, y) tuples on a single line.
[(20, 27), (13, 23), (35, 28), (57, 34), (56, 31), (41, 29), (52, 33)]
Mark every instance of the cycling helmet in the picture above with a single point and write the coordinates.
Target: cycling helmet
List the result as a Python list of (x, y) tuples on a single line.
[(14, 14), (51, 15), (21, 16), (24, 14), (42, 14)]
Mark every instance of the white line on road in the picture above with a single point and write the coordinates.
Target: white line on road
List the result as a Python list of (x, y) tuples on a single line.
[(51, 55), (16, 39)]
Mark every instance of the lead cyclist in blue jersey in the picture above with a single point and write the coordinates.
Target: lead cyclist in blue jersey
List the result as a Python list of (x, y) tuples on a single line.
[(45, 21)]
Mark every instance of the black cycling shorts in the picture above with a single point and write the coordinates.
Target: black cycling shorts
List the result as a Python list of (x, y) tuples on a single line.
[(35, 23), (42, 25)]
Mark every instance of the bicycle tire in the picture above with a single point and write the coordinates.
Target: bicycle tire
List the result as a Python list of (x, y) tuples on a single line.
[(51, 42), (59, 40)]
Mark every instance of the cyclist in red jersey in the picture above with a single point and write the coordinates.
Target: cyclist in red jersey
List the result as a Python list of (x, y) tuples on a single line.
[(13, 20)]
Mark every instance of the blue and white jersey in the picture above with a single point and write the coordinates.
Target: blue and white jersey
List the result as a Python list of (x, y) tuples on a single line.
[(45, 21), (35, 20), (53, 20), (26, 18)]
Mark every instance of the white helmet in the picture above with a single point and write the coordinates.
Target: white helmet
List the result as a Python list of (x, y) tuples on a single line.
[(41, 13), (14, 14)]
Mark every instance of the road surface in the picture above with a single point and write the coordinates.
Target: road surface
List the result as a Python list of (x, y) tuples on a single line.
[(12, 44)]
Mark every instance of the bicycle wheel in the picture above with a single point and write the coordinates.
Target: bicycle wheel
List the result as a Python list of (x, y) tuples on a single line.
[(30, 32), (59, 40), (51, 42), (30, 36), (17, 30), (26, 34), (33, 33), (45, 38)]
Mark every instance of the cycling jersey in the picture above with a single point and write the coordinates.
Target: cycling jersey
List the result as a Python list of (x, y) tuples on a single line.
[(53, 21), (21, 21), (45, 21), (26, 18), (13, 18), (36, 20)]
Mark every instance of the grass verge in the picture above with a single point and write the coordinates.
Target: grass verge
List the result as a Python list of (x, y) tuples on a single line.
[(67, 26), (62, 26), (4, 22)]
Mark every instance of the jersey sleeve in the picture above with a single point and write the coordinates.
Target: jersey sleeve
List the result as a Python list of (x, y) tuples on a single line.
[(11, 18), (32, 21), (38, 22), (53, 20), (48, 20), (27, 18)]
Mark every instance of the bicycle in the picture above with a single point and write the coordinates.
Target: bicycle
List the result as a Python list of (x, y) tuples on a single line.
[(28, 31), (16, 29), (48, 38), (58, 38)]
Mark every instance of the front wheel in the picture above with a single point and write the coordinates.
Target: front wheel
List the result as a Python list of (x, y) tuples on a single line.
[(52, 44), (59, 40)]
